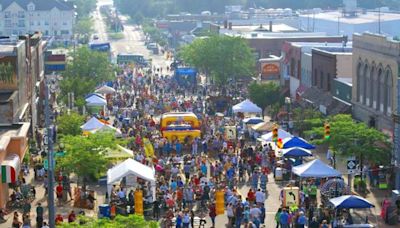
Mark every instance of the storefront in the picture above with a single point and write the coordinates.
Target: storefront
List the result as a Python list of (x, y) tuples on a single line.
[(13, 146)]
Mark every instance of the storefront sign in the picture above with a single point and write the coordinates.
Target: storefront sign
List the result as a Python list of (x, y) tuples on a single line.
[(270, 69)]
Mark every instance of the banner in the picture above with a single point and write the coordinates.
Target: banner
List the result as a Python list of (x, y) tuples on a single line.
[(138, 202), (219, 202)]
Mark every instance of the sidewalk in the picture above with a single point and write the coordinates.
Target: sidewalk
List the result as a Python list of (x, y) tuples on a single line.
[(374, 195)]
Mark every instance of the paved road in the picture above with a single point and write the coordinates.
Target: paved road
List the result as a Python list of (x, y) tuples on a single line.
[(133, 41)]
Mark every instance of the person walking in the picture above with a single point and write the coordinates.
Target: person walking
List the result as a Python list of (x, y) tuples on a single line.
[(212, 213), (284, 219), (39, 215)]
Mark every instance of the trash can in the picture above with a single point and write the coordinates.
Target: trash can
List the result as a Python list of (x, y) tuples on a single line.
[(278, 174), (104, 211)]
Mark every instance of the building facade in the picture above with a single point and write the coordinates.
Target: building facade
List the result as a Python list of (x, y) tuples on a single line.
[(50, 17), (329, 63), (375, 71)]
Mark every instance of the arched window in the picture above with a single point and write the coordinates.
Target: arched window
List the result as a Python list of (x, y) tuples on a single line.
[(358, 80), (364, 85), (371, 89), (381, 90), (389, 91)]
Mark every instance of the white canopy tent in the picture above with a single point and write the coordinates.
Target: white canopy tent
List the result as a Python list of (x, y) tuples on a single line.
[(131, 167), (105, 90), (281, 134), (246, 106), (95, 100), (92, 124)]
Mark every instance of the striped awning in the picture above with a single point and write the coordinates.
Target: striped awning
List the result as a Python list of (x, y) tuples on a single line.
[(10, 168)]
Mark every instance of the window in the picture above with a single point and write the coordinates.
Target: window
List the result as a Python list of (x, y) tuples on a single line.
[(31, 23), (329, 82), (38, 23), (7, 23), (65, 23), (64, 32), (21, 14), (7, 14), (46, 23), (21, 23), (31, 7)]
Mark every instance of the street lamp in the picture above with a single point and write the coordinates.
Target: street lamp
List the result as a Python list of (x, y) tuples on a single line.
[(288, 102)]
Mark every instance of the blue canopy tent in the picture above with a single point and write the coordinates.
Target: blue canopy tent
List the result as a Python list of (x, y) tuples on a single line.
[(296, 142), (315, 169), (296, 152), (350, 201), (186, 76)]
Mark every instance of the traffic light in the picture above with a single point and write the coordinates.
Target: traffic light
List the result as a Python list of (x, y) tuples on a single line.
[(275, 134), (327, 131)]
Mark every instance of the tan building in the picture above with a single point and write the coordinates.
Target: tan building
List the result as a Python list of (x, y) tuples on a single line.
[(375, 70)]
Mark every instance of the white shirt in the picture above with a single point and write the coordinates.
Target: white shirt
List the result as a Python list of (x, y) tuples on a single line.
[(255, 212), (260, 197)]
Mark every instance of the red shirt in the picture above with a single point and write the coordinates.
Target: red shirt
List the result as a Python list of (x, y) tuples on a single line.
[(251, 195), (59, 190)]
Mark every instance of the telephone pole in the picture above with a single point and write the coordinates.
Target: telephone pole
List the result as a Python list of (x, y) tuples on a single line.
[(49, 138)]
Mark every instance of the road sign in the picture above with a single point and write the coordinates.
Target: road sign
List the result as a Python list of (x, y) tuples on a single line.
[(351, 164), (291, 196)]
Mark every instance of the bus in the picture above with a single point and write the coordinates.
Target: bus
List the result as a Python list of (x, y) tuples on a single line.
[(131, 58)]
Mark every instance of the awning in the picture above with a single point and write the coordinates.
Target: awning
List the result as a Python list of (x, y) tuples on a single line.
[(10, 168)]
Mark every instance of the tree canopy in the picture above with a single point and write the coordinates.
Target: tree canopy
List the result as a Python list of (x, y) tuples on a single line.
[(85, 154), (349, 138), (70, 124), (84, 7), (223, 58), (264, 94), (84, 72)]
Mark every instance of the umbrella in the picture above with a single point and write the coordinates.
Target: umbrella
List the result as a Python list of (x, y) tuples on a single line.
[(105, 90), (246, 106), (95, 100), (253, 120), (296, 152), (296, 142), (350, 201), (315, 169), (264, 126), (335, 185)]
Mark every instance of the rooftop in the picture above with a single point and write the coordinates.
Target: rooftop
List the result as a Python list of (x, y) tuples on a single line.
[(336, 50), (306, 47), (279, 35), (361, 18), (258, 28), (40, 4), (348, 81)]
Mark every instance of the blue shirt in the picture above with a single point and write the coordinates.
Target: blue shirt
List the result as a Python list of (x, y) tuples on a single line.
[(302, 220), (174, 185), (283, 218)]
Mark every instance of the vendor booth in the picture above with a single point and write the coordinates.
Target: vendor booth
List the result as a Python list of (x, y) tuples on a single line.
[(132, 171), (95, 100), (94, 125), (246, 106), (281, 134), (343, 217), (186, 76), (315, 169), (296, 142), (264, 126), (105, 90)]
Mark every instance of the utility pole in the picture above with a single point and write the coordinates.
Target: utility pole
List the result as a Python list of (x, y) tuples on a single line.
[(338, 25), (396, 139), (379, 20), (50, 170)]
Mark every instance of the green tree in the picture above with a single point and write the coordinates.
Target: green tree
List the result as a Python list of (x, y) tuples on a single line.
[(133, 221), (70, 124), (264, 94), (305, 119), (84, 26), (224, 58), (85, 155), (349, 138), (84, 72)]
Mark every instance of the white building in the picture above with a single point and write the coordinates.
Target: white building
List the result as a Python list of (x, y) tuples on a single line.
[(338, 23), (51, 17)]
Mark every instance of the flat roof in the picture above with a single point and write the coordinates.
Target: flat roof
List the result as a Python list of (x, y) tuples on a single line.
[(280, 35), (347, 80), (265, 28), (368, 17)]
